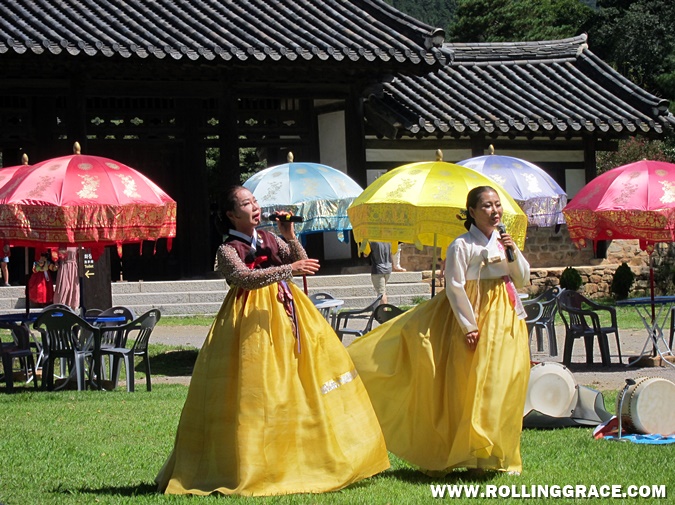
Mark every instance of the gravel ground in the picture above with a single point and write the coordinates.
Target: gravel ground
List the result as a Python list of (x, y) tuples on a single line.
[(608, 378)]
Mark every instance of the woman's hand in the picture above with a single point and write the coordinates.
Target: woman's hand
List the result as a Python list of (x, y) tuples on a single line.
[(472, 339), (507, 241), (305, 267), (286, 228)]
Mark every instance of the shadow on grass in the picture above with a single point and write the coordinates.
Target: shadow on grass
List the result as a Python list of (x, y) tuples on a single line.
[(173, 362), (138, 490), (412, 476)]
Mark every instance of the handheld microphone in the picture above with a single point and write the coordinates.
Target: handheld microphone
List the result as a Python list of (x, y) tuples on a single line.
[(509, 252), (279, 217)]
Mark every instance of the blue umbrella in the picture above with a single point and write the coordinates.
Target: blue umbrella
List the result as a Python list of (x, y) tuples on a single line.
[(318, 193), (537, 193)]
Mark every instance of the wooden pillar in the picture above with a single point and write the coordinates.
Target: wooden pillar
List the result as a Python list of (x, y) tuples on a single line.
[(77, 112), (355, 137), (192, 227), (44, 124), (590, 162), (229, 170), (477, 146)]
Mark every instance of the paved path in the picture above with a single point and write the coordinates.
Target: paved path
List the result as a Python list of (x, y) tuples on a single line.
[(596, 376)]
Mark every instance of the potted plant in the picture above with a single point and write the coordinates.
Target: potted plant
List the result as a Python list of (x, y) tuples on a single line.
[(622, 281), (570, 279)]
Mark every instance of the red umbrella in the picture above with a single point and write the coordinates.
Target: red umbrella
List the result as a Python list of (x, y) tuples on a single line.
[(634, 201), (82, 200)]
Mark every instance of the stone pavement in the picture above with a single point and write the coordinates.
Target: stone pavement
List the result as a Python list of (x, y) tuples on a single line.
[(602, 378)]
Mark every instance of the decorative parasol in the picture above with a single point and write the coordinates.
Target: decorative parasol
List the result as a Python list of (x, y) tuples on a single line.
[(319, 193), (538, 194), (634, 201), (83, 200), (420, 204)]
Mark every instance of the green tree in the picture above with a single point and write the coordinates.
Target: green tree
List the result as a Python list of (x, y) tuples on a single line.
[(637, 38), (635, 149), (519, 20), (438, 13)]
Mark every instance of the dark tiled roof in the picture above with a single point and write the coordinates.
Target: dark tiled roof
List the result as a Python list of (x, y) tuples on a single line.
[(238, 30), (536, 88)]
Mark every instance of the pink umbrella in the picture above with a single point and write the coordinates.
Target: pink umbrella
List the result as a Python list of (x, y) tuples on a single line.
[(634, 201), (6, 173), (82, 200)]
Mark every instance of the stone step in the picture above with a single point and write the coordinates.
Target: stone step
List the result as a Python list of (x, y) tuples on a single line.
[(204, 297)]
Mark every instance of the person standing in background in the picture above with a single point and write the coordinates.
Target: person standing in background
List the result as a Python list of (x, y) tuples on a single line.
[(40, 284), (67, 289), (397, 259), (380, 260), (4, 265)]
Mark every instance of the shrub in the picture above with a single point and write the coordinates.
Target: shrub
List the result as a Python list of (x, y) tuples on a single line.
[(622, 281), (570, 279)]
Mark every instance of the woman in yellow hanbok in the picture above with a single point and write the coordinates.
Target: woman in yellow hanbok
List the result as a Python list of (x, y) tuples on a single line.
[(448, 379), (275, 405)]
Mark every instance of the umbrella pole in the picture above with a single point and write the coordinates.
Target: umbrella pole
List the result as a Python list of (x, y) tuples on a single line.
[(651, 292), (304, 283), (433, 270)]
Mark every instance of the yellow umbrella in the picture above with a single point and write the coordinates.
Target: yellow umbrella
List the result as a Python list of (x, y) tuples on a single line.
[(420, 203)]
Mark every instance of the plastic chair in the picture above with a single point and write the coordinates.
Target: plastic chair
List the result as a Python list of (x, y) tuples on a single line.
[(71, 339), (111, 335), (21, 350), (345, 315), (533, 311), (325, 312), (381, 314), (140, 330), (585, 323), (546, 320)]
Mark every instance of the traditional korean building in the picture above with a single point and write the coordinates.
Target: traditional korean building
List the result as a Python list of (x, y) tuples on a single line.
[(354, 84)]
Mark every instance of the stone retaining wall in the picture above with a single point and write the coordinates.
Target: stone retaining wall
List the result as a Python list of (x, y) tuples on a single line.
[(549, 252)]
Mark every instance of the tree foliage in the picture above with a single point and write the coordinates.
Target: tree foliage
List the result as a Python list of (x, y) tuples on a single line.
[(635, 149), (637, 38), (438, 13), (519, 20)]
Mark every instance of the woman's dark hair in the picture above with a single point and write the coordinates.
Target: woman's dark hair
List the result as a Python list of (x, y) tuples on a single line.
[(472, 201), (228, 205)]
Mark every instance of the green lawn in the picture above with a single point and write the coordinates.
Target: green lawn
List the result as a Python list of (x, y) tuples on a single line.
[(106, 448), (74, 447)]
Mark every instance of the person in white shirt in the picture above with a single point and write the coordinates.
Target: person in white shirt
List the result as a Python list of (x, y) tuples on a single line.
[(448, 378)]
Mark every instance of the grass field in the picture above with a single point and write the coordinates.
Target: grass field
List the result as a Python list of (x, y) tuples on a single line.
[(106, 448)]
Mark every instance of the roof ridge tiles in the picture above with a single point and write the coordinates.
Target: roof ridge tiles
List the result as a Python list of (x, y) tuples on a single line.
[(366, 29)]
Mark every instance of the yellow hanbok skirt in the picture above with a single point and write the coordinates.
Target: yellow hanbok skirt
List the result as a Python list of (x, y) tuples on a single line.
[(441, 405), (264, 417)]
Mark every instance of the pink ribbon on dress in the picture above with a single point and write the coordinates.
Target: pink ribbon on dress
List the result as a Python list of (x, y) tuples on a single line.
[(511, 289)]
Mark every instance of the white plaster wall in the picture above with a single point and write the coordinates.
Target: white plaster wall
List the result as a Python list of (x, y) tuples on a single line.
[(333, 152)]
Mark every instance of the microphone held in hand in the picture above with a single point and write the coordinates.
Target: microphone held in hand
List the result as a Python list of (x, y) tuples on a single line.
[(282, 218), (509, 252)]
